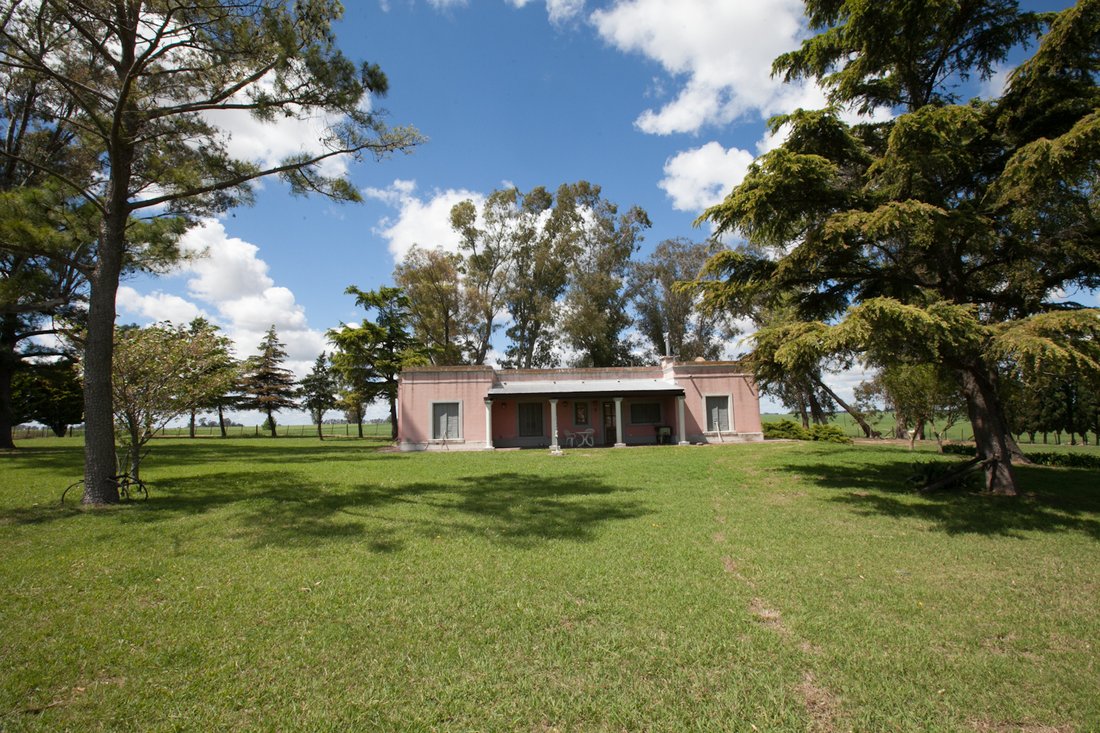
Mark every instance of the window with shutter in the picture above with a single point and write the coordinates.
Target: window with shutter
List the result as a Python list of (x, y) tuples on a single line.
[(446, 424), (718, 413)]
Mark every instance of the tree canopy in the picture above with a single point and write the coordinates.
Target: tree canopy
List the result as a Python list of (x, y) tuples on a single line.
[(142, 84), (944, 235)]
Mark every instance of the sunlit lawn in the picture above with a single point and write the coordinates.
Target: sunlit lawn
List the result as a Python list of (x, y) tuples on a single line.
[(295, 585)]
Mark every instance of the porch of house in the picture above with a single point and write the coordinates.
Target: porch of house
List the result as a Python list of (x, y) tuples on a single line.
[(564, 415)]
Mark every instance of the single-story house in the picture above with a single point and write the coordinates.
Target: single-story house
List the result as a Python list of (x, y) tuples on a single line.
[(479, 407)]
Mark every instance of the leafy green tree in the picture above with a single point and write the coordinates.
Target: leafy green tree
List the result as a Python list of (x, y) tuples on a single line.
[(487, 244), (663, 307), (595, 313), (220, 360), (937, 237), (160, 373), (923, 396), (546, 245), (146, 82), (49, 393), (439, 310), (318, 392), (267, 385), (369, 357)]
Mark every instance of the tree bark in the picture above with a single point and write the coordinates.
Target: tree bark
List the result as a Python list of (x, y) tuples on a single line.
[(990, 429), (221, 420), (99, 437), (393, 418), (856, 414), (8, 360)]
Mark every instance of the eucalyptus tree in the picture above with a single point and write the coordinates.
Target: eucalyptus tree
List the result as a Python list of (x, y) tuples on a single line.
[(547, 244), (439, 308), (664, 308), (943, 235), (149, 83), (595, 312)]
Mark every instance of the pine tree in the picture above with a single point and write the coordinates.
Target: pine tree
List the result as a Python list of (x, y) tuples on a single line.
[(267, 385), (318, 391)]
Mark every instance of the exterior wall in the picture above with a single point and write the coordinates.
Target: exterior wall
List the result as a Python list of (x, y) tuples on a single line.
[(418, 389), (703, 379)]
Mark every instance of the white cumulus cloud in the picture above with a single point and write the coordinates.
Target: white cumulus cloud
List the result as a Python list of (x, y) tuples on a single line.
[(227, 276), (701, 177), (421, 221), (722, 51)]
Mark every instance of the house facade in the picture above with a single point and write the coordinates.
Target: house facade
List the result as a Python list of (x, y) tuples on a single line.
[(479, 407)]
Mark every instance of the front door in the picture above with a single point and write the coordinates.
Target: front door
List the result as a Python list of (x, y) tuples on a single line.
[(609, 432)]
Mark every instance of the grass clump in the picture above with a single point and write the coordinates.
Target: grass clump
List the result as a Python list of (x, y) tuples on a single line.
[(297, 585)]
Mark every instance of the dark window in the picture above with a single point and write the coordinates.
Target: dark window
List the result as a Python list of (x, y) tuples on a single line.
[(580, 413), (530, 420), (645, 413), (445, 421)]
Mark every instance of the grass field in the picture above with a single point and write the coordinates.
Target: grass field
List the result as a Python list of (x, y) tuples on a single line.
[(294, 585)]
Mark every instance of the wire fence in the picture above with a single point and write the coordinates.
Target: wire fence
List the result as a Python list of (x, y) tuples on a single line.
[(377, 431)]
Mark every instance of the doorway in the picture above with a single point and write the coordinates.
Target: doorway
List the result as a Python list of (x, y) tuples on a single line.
[(609, 431)]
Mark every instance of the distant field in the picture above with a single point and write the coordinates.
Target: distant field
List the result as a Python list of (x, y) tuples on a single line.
[(959, 431), (299, 585)]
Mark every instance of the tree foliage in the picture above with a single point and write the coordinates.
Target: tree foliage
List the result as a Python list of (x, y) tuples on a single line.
[(49, 393), (369, 357), (663, 307), (942, 235), (144, 85), (160, 373), (318, 391), (266, 385)]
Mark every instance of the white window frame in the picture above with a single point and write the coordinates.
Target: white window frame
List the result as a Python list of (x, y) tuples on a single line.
[(707, 430), (461, 420)]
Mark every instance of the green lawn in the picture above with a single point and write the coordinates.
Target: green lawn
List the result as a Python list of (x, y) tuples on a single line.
[(295, 585)]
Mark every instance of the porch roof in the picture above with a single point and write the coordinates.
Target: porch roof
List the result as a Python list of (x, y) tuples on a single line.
[(587, 387)]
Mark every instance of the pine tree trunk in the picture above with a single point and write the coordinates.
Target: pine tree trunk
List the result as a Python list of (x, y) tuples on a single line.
[(221, 420), (8, 361), (99, 429), (271, 423), (192, 424), (990, 430)]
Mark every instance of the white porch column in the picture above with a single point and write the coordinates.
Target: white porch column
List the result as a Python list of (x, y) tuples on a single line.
[(554, 427), (488, 425), (619, 422), (681, 428)]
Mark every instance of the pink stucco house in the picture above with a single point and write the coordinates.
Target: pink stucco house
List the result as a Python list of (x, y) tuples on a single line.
[(479, 407)]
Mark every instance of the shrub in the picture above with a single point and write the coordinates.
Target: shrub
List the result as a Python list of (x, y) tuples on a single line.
[(785, 430), (925, 473), (828, 434), (790, 430), (1067, 460)]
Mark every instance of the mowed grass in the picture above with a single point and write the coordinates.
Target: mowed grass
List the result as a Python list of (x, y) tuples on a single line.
[(296, 585)]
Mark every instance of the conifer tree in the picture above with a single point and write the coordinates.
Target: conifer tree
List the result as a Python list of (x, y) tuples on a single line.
[(267, 385)]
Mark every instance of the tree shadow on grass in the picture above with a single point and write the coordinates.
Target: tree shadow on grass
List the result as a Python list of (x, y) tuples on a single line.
[(1053, 500), (282, 509)]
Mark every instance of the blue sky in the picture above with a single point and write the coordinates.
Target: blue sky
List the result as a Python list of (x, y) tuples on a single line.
[(661, 102)]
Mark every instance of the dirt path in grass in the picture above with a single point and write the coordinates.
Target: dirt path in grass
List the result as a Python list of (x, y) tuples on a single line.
[(822, 706)]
